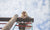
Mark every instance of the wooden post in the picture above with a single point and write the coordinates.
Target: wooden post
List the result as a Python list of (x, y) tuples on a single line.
[(10, 23)]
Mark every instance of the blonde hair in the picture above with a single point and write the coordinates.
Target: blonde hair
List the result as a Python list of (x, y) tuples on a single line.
[(25, 14)]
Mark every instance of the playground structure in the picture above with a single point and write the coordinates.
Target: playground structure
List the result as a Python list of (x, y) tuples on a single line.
[(14, 19)]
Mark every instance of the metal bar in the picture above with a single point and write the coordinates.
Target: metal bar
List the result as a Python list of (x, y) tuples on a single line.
[(32, 26), (5, 18)]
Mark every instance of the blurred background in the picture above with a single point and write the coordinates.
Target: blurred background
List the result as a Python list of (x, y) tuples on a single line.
[(37, 9)]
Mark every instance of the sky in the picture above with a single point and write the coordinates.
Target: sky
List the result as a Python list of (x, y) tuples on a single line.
[(37, 9)]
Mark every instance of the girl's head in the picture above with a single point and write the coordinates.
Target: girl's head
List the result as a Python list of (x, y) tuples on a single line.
[(24, 13)]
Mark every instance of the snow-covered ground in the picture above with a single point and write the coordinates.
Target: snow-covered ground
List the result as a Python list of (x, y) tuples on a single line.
[(38, 9)]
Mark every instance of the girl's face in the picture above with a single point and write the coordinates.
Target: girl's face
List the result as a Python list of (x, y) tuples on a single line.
[(23, 13)]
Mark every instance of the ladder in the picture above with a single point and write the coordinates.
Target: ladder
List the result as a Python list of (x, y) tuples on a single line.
[(24, 26)]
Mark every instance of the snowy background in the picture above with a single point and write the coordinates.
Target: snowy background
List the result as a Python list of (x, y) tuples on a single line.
[(38, 9)]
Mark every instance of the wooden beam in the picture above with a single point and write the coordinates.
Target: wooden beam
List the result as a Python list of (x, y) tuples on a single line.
[(10, 23)]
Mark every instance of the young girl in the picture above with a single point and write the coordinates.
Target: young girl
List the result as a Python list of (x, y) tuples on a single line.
[(23, 15)]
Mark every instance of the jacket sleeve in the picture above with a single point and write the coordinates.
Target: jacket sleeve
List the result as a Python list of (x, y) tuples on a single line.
[(28, 19)]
